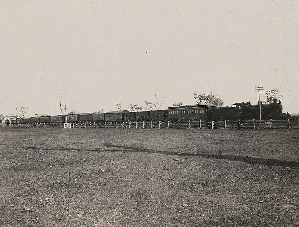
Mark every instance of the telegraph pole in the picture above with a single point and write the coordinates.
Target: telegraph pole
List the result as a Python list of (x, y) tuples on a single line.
[(258, 89)]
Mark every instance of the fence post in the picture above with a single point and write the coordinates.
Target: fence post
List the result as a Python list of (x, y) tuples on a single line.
[(270, 123), (168, 124), (143, 124), (189, 124), (200, 123), (136, 123), (212, 124), (159, 124), (224, 124), (151, 124)]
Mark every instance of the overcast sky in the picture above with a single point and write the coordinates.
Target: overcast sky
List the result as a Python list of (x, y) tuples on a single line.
[(99, 53)]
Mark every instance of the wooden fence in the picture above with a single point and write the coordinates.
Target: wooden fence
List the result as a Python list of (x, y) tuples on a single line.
[(188, 124), (248, 124)]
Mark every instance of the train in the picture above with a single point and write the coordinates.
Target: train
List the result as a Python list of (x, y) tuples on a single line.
[(238, 111)]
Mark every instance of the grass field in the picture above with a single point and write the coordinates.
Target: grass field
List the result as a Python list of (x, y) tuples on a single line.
[(122, 177)]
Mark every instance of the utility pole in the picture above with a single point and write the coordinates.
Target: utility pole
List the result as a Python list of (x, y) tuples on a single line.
[(258, 89)]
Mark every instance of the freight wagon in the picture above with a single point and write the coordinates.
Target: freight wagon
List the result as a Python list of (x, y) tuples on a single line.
[(118, 116), (158, 115), (223, 113), (57, 120), (45, 119), (98, 117), (34, 120), (150, 115), (71, 118), (84, 118)]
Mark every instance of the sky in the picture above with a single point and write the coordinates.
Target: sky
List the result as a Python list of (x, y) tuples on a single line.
[(95, 54)]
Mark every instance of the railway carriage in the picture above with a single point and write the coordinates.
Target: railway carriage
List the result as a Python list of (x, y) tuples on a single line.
[(118, 116), (24, 120), (45, 119), (223, 113), (98, 117), (188, 112), (34, 120), (85, 118), (57, 119), (71, 118), (158, 115), (141, 115)]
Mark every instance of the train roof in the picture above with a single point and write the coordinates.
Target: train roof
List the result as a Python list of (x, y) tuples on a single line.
[(188, 107)]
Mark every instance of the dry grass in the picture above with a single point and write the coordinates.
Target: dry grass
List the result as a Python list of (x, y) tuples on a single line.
[(115, 177)]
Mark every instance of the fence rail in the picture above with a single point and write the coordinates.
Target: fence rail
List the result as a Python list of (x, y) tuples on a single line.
[(200, 124), (187, 124)]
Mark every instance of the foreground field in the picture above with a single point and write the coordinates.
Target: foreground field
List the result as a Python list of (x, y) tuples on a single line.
[(119, 177)]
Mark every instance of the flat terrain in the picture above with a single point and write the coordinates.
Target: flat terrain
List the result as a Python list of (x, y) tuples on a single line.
[(122, 177)]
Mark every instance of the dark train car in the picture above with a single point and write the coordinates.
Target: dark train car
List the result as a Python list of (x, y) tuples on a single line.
[(118, 116), (34, 120), (158, 115), (98, 117), (140, 115), (84, 118), (45, 119), (19, 121), (222, 113), (57, 119), (150, 115), (188, 112), (24, 120), (71, 118)]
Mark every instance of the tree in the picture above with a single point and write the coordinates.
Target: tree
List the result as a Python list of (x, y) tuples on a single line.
[(273, 95), (134, 107), (100, 111), (159, 101), (21, 111), (177, 104), (208, 99), (149, 105), (118, 106)]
